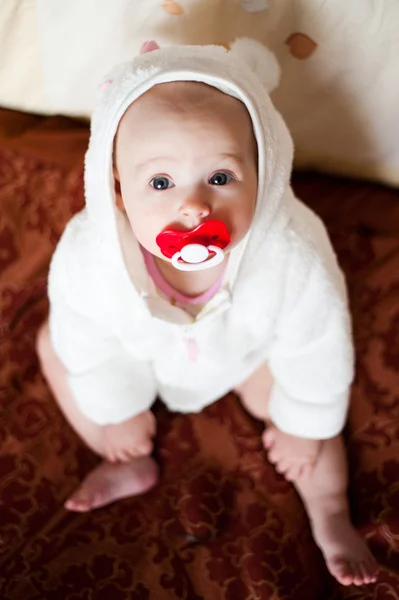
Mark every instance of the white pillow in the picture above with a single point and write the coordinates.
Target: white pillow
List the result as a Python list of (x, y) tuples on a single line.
[(339, 89), (21, 81)]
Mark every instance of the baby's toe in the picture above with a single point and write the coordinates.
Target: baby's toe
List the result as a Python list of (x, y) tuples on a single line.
[(341, 569), (80, 501), (268, 437), (281, 467), (369, 570), (357, 573)]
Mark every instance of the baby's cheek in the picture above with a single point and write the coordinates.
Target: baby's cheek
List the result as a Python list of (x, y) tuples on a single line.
[(146, 227), (246, 219)]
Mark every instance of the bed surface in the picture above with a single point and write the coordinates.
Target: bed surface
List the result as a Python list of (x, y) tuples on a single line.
[(221, 524)]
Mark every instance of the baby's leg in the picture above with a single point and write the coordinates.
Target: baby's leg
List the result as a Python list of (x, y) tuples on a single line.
[(323, 493), (255, 391), (108, 482)]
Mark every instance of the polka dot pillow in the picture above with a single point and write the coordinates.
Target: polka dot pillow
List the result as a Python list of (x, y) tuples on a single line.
[(339, 88)]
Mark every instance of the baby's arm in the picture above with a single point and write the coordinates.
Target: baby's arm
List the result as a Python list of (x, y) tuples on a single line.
[(108, 384), (311, 361), (109, 387)]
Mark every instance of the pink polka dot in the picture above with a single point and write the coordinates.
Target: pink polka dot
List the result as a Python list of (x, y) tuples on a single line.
[(148, 47), (105, 85)]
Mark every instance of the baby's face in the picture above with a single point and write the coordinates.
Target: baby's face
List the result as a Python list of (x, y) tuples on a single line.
[(185, 153)]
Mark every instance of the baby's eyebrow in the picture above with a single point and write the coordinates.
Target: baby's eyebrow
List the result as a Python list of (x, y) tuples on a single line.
[(146, 163), (237, 158), (231, 156)]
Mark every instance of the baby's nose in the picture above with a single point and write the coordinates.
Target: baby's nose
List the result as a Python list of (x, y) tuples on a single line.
[(195, 208)]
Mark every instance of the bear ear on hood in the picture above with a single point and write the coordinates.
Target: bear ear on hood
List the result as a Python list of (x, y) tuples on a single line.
[(259, 59)]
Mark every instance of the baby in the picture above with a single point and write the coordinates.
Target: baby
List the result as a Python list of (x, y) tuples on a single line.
[(192, 271)]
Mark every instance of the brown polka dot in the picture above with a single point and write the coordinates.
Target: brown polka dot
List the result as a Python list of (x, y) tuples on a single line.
[(172, 7), (254, 6), (301, 45)]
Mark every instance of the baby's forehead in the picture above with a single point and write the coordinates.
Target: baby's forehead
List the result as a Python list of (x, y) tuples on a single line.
[(182, 97), (180, 107)]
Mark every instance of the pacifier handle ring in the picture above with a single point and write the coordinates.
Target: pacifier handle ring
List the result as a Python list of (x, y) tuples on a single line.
[(206, 264)]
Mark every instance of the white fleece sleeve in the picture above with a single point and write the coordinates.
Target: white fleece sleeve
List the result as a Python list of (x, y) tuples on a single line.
[(312, 358), (108, 385)]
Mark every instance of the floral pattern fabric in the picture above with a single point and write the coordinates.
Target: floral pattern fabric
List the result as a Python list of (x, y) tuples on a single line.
[(221, 525)]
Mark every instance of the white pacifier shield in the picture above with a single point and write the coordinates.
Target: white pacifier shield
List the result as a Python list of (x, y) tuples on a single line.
[(194, 253), (180, 259)]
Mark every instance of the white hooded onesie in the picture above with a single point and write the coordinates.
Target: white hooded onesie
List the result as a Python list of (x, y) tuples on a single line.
[(282, 300)]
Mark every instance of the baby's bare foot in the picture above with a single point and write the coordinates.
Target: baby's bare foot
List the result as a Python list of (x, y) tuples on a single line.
[(346, 554), (292, 456), (129, 439), (110, 482)]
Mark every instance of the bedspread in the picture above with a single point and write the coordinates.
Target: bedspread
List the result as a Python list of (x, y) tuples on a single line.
[(221, 525)]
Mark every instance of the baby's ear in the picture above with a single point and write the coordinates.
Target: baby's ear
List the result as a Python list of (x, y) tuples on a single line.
[(259, 59), (118, 193), (115, 172)]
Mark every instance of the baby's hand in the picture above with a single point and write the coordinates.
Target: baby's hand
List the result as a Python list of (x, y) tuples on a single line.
[(130, 438), (292, 456)]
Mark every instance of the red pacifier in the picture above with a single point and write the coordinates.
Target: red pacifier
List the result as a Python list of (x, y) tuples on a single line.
[(200, 248)]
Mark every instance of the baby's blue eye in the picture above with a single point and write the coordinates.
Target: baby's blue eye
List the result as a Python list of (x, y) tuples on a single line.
[(220, 178), (161, 183)]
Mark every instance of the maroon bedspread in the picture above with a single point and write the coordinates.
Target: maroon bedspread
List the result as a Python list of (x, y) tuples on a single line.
[(221, 524)]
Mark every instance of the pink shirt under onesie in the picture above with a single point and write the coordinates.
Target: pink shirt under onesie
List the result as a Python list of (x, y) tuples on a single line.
[(191, 304)]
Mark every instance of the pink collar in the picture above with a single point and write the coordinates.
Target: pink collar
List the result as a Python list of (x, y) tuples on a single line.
[(169, 291)]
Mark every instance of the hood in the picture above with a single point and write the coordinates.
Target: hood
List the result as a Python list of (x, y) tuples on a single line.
[(245, 72)]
